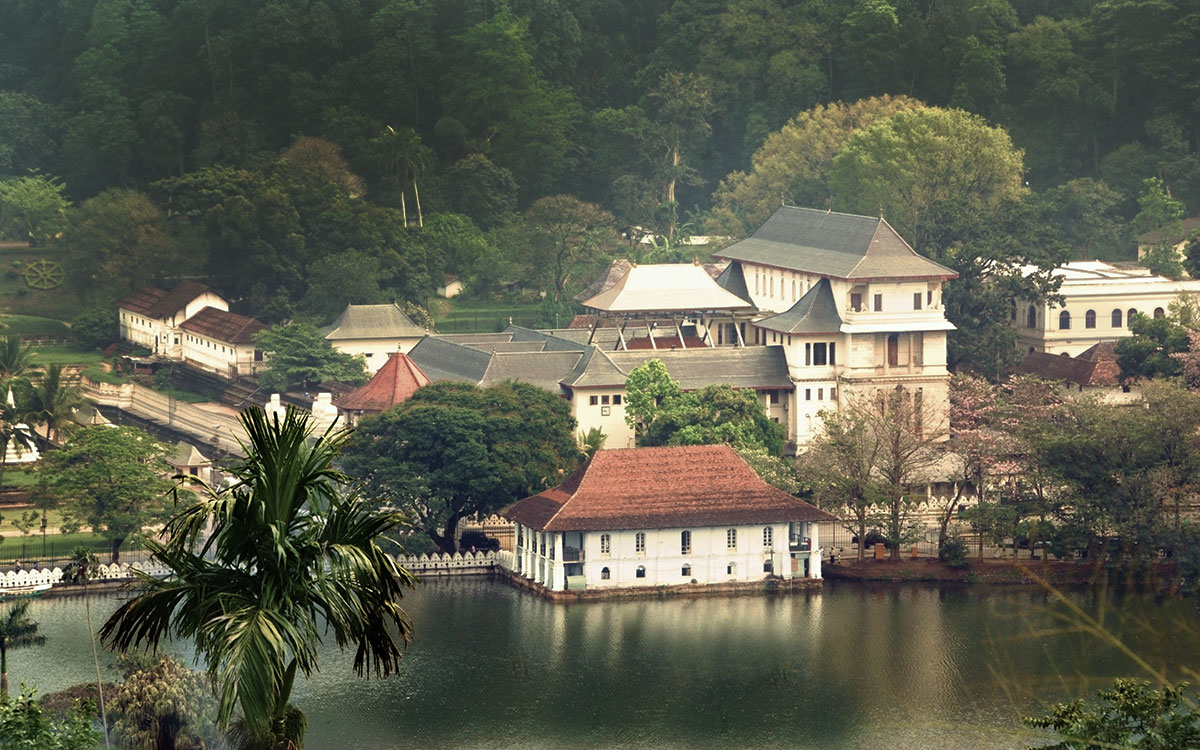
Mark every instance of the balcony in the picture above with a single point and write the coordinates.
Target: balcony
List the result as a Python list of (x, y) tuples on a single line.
[(572, 554)]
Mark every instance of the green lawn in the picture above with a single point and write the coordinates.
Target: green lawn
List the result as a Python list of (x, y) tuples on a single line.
[(17, 297), (30, 547), (33, 325), (470, 316), (67, 354), (100, 375)]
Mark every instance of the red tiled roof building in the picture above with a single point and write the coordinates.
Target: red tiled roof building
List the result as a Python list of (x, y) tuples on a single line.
[(664, 516), (398, 379)]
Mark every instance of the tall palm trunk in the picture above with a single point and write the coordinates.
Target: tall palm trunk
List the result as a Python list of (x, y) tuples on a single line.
[(3, 670), (403, 208), (417, 197), (87, 604)]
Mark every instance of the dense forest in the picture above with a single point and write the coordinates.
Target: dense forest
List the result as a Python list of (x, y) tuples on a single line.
[(303, 153)]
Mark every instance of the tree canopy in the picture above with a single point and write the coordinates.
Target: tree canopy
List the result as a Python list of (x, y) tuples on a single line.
[(112, 480), (454, 450), (298, 355)]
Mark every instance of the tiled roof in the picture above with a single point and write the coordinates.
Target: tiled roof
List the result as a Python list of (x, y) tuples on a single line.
[(740, 367), (222, 325), (372, 322), (815, 312), (841, 246), (398, 379), (666, 287), (186, 455), (640, 488), (595, 369), (446, 360), (543, 369), (733, 280), (1095, 368), (158, 303), (1169, 233)]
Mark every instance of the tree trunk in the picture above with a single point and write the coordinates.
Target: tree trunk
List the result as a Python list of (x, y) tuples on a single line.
[(417, 198), (87, 603), (116, 549), (862, 538), (895, 528), (403, 208), (3, 670)]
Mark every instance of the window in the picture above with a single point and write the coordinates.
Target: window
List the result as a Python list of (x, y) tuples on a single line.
[(1116, 318), (856, 301), (685, 543), (771, 285), (793, 289), (686, 571), (593, 400), (929, 299), (606, 544), (820, 394), (604, 574), (833, 393), (878, 303), (833, 352), (893, 349), (1064, 320), (731, 569), (820, 354), (616, 399), (1089, 319), (808, 354), (808, 394), (916, 300), (1031, 318), (730, 538), (768, 536), (1129, 317), (756, 282), (604, 399), (639, 542), (640, 572), (1158, 313), (773, 397), (768, 566)]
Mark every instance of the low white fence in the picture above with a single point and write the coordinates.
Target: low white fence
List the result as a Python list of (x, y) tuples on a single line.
[(103, 572), (460, 563)]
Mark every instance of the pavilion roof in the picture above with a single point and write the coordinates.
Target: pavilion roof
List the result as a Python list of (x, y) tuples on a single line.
[(665, 288), (640, 488)]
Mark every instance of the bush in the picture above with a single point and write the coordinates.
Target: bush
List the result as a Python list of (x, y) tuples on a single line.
[(953, 552), (96, 327)]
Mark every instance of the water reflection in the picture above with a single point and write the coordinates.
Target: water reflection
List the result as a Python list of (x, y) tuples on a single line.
[(894, 666)]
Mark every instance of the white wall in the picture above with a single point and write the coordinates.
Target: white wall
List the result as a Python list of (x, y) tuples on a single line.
[(218, 356), (589, 415), (376, 351)]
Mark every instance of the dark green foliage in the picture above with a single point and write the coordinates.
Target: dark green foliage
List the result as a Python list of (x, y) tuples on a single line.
[(1130, 715), (24, 723), (96, 327), (453, 450), (298, 355), (953, 552), (1148, 352)]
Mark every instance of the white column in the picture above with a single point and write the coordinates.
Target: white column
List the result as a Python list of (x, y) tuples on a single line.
[(814, 556)]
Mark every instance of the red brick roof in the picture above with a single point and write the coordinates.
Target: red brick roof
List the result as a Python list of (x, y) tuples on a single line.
[(398, 379), (1096, 367), (158, 303), (660, 488), (221, 325)]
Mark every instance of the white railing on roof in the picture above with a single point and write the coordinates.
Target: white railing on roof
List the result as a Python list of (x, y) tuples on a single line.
[(460, 563), (103, 572)]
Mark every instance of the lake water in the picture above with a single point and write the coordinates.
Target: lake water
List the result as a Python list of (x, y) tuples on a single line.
[(854, 666)]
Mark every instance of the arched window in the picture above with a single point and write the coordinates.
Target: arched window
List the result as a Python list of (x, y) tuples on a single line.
[(641, 571), (685, 543), (1129, 317), (1031, 318), (1089, 319), (1116, 319), (604, 574), (1064, 320), (731, 569), (1159, 313)]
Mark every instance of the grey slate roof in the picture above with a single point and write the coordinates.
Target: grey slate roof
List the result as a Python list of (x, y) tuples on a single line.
[(543, 369), (740, 367), (552, 342), (595, 369), (842, 246), (733, 281), (815, 312), (186, 455), (372, 322), (446, 360)]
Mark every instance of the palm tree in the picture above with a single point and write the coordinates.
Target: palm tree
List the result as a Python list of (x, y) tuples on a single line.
[(14, 433), (16, 358), (16, 631), (80, 570), (404, 159), (290, 555), (55, 402)]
